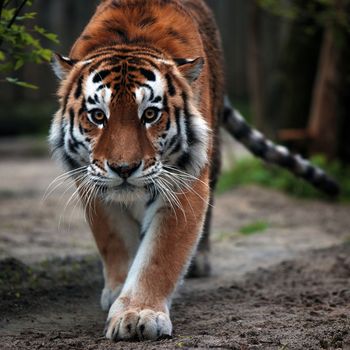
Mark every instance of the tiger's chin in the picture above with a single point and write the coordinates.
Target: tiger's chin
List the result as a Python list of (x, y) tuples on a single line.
[(125, 195)]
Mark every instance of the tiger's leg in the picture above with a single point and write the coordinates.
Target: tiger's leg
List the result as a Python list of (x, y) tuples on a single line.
[(142, 309), (117, 236), (200, 265)]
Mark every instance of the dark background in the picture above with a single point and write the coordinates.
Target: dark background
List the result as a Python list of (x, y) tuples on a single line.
[(273, 67)]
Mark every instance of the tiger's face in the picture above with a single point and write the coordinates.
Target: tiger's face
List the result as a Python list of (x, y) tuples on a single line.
[(128, 124)]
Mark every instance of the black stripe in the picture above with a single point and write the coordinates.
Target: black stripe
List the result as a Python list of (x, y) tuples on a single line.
[(176, 35), (287, 161), (168, 124), (173, 141), (148, 74), (177, 118), (73, 143), (142, 235), (79, 88), (165, 104), (242, 131), (157, 99), (91, 101), (113, 27), (184, 160), (309, 174), (152, 199), (177, 139), (86, 37), (171, 87), (70, 161), (101, 75), (191, 136), (83, 107), (150, 89), (147, 21), (177, 148), (259, 148), (65, 102), (145, 58), (72, 146), (136, 50)]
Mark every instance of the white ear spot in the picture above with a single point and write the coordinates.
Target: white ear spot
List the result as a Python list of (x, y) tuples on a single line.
[(61, 65)]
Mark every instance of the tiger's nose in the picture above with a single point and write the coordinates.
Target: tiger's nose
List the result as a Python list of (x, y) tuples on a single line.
[(124, 170)]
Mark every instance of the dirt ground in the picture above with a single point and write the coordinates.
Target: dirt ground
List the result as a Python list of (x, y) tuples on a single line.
[(285, 288)]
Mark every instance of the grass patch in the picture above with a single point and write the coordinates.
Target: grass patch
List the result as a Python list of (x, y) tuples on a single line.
[(249, 171), (255, 227)]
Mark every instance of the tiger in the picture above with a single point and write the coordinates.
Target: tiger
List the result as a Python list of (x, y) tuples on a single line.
[(142, 100)]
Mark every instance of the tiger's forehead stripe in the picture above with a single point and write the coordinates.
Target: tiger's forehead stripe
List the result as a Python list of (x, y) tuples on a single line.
[(118, 74)]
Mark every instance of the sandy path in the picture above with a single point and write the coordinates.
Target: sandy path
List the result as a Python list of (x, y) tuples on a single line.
[(61, 309)]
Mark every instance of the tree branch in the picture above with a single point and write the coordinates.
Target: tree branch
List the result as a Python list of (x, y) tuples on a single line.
[(19, 9), (6, 3), (13, 19)]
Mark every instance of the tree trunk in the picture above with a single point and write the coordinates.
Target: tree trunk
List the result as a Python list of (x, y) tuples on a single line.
[(323, 117), (255, 69), (290, 90), (344, 101)]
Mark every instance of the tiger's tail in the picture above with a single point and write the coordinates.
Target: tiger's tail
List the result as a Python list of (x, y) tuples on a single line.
[(265, 149)]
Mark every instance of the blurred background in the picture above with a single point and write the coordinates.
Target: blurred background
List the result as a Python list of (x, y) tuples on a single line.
[(286, 62), (287, 71)]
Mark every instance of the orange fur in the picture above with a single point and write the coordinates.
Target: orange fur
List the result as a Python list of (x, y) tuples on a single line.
[(110, 245)]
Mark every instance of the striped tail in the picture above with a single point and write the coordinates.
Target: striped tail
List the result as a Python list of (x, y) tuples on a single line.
[(254, 141)]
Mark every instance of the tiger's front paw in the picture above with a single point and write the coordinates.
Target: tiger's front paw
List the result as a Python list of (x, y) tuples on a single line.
[(135, 324)]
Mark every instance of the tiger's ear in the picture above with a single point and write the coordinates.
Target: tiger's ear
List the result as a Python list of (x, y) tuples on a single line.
[(61, 65), (190, 68)]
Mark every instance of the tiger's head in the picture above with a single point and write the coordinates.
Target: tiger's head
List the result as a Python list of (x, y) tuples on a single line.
[(128, 122)]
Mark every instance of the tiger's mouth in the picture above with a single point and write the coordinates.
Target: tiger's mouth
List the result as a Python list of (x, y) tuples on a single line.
[(121, 192), (125, 186)]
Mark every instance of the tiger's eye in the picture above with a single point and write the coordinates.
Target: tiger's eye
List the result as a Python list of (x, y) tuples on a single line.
[(98, 117), (150, 115)]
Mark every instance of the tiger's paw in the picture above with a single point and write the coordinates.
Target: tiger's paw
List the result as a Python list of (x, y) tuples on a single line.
[(108, 297), (134, 324)]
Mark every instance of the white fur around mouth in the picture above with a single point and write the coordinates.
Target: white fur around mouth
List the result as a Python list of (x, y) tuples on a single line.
[(126, 194)]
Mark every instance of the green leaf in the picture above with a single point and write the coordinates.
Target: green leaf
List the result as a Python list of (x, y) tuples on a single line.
[(21, 83), (7, 14), (23, 43), (52, 37), (19, 64), (29, 15), (45, 54)]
